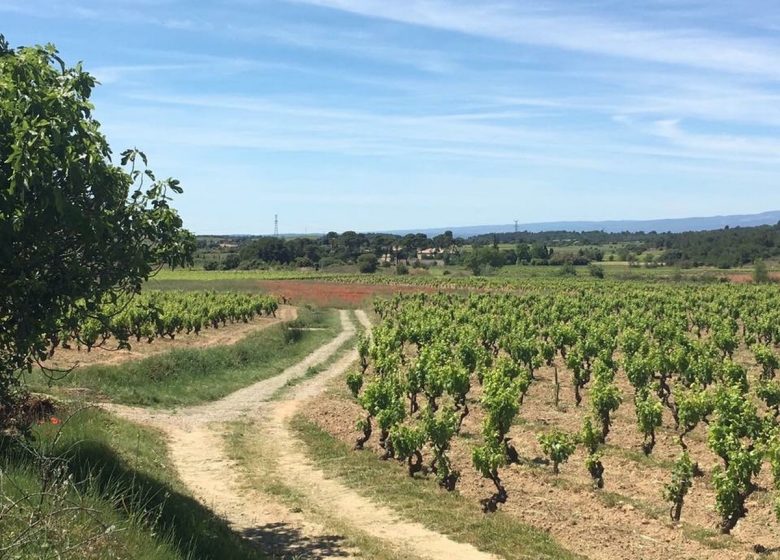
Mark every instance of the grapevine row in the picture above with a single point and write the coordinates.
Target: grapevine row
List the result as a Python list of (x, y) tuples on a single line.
[(681, 350), (157, 314)]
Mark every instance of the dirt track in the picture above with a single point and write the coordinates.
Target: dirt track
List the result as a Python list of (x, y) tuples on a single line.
[(343, 503), (196, 437)]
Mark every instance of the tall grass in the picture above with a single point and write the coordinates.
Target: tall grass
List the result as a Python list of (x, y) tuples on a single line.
[(103, 489)]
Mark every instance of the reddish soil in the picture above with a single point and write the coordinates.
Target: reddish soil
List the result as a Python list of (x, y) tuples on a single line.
[(747, 278), (333, 294), (629, 518)]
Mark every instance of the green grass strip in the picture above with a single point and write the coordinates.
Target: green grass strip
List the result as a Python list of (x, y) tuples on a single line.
[(190, 376), (347, 346), (122, 472), (422, 501)]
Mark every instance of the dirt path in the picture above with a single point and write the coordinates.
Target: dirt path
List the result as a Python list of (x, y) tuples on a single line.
[(197, 439), (196, 444)]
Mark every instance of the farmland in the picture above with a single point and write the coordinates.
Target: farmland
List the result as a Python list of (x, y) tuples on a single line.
[(470, 414), (507, 395), (499, 400)]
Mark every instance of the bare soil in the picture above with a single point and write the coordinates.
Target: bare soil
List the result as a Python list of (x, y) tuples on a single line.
[(629, 518)]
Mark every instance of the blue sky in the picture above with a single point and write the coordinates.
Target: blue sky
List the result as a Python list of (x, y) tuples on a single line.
[(378, 114)]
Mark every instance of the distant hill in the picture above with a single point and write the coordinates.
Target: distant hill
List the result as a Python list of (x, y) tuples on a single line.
[(674, 225)]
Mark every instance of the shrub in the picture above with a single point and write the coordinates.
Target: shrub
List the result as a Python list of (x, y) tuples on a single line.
[(325, 262), (401, 270), (568, 270), (231, 262), (682, 480), (367, 264), (558, 446), (760, 272), (596, 271)]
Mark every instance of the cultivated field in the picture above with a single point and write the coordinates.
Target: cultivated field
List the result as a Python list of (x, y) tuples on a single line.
[(250, 426)]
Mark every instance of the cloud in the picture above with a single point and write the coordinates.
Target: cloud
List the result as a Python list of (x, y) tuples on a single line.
[(473, 140), (349, 43), (114, 74), (730, 145), (549, 25)]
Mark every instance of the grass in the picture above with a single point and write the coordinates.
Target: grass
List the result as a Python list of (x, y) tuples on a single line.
[(313, 371), (251, 280), (189, 376), (256, 457), (134, 506), (422, 501), (639, 457)]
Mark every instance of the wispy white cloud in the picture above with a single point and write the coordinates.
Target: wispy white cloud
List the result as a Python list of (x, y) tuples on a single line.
[(594, 104), (554, 26), (274, 125), (730, 145), (348, 43), (354, 44), (114, 74)]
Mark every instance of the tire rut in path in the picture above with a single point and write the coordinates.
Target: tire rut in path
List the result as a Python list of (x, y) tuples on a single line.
[(196, 439), (196, 443), (340, 501)]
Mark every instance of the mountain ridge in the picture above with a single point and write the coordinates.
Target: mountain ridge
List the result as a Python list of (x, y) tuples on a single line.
[(662, 225)]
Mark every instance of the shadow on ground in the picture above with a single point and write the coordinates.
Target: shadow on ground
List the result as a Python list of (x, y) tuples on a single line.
[(284, 541)]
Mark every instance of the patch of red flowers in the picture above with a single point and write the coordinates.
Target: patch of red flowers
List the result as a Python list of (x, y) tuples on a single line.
[(333, 294)]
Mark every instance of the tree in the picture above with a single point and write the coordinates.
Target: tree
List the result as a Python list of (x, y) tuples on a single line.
[(231, 261), (481, 257), (367, 263), (540, 252), (523, 252), (267, 249), (760, 272), (76, 229)]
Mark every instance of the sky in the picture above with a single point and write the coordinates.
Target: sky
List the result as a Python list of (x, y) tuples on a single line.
[(377, 115)]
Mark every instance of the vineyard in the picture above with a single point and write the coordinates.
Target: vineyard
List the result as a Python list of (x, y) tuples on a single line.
[(156, 314), (695, 367), (608, 393)]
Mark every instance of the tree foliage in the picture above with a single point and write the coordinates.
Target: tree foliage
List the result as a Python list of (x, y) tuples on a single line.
[(76, 228)]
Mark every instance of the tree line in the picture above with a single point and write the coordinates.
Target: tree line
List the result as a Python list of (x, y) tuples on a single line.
[(723, 248)]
